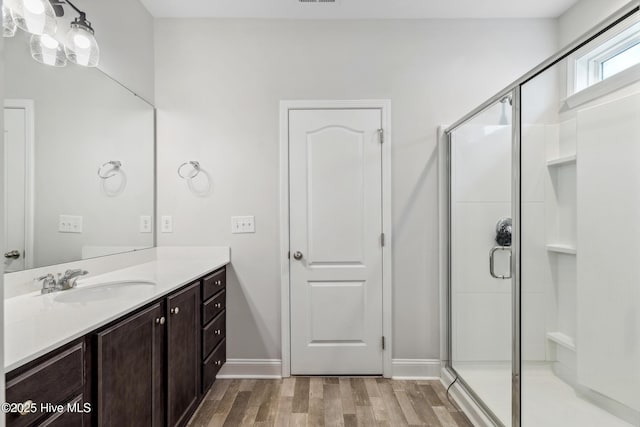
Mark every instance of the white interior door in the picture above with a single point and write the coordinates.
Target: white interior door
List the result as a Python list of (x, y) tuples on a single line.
[(335, 240), (15, 188)]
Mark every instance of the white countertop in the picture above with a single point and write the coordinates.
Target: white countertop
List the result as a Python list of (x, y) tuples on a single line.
[(37, 324)]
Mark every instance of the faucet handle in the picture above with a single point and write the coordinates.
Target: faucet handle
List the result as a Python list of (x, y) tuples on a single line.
[(47, 276)]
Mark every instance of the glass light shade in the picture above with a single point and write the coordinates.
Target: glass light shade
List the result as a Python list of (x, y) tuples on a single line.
[(81, 46), (9, 26), (47, 50), (33, 16)]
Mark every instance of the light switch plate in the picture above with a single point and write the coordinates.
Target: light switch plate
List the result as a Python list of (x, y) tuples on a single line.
[(70, 224), (166, 224), (243, 224), (145, 224)]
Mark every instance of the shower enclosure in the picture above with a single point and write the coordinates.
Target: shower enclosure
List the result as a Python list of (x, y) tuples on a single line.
[(543, 277)]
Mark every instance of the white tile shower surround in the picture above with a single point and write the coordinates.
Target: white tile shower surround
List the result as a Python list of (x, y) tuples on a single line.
[(546, 399), (36, 324)]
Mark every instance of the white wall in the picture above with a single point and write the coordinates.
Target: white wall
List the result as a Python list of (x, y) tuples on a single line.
[(583, 16), (218, 87)]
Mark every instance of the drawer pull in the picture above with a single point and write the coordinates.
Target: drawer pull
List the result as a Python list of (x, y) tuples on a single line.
[(217, 332), (217, 305), (218, 282), (160, 320), (218, 362), (175, 310), (26, 408)]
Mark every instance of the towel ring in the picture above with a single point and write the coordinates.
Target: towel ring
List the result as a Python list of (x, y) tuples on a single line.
[(196, 168), (115, 166)]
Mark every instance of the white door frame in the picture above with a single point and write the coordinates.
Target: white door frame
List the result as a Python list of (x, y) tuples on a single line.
[(385, 106), (29, 211)]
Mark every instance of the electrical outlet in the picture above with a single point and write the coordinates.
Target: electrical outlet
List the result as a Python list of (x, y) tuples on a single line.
[(243, 224), (166, 224), (145, 224), (70, 224)]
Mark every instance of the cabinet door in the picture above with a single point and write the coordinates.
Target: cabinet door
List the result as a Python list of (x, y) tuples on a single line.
[(130, 371), (183, 354)]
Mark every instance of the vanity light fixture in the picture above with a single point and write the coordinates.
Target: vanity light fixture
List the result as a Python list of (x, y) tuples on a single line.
[(48, 51), (38, 17), (9, 26), (33, 16), (81, 46)]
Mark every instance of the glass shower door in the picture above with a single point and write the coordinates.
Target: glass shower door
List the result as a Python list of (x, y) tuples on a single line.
[(481, 271)]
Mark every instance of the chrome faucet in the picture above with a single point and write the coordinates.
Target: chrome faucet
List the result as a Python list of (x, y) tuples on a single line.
[(64, 282), (48, 283), (68, 281)]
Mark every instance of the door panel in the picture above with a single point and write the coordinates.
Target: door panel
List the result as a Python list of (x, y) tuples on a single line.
[(15, 186), (183, 354), (336, 223)]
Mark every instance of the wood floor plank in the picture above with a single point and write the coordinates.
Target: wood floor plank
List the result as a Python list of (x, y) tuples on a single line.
[(333, 413), (330, 380), (258, 393), (407, 408), (315, 388), (350, 420), (247, 385), (249, 418), (218, 390), (460, 419), (229, 397), (316, 411), (299, 420), (348, 406), (365, 417), (301, 396), (444, 416), (396, 417), (360, 395), (422, 406), (288, 387), (430, 394), (204, 414), (236, 414), (372, 387), (283, 416), (379, 409), (269, 406)]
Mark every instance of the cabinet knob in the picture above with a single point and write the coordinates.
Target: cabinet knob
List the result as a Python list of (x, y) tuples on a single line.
[(217, 305), (217, 332), (26, 408), (175, 310), (218, 362), (160, 320), (218, 282)]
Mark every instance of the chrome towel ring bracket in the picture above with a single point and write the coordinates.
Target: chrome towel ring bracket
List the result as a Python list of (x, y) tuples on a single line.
[(110, 172), (196, 169)]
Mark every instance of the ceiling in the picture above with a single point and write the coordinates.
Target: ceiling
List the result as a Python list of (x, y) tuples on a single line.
[(358, 9)]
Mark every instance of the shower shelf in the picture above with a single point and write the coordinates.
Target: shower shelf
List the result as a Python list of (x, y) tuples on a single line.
[(562, 339), (562, 249), (562, 161)]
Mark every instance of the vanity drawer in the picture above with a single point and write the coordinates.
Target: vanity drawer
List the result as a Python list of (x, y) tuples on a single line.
[(214, 283), (66, 418), (213, 307), (213, 333), (55, 381), (212, 365)]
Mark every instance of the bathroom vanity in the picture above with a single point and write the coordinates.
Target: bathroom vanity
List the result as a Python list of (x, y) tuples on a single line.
[(145, 354)]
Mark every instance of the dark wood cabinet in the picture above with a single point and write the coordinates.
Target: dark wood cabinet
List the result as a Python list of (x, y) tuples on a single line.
[(148, 368), (183, 354), (129, 371)]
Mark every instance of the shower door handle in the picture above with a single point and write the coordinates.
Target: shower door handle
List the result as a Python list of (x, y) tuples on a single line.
[(492, 254)]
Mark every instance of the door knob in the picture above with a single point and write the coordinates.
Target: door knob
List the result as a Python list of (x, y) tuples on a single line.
[(298, 256), (12, 254)]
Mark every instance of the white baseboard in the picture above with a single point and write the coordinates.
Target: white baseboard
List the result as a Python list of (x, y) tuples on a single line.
[(251, 369), (416, 369)]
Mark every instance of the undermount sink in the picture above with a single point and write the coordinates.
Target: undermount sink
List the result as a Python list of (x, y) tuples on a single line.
[(103, 291)]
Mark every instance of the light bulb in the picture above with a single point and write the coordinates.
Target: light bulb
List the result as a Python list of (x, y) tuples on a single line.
[(81, 41), (49, 42), (81, 46), (34, 6)]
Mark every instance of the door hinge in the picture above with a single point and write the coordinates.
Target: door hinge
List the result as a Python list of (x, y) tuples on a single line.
[(383, 342), (289, 255), (381, 133), (382, 240)]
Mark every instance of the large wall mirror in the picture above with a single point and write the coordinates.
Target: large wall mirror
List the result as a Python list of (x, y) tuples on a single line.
[(79, 163)]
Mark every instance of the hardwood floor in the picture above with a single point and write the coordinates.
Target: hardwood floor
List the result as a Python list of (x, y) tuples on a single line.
[(315, 401)]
